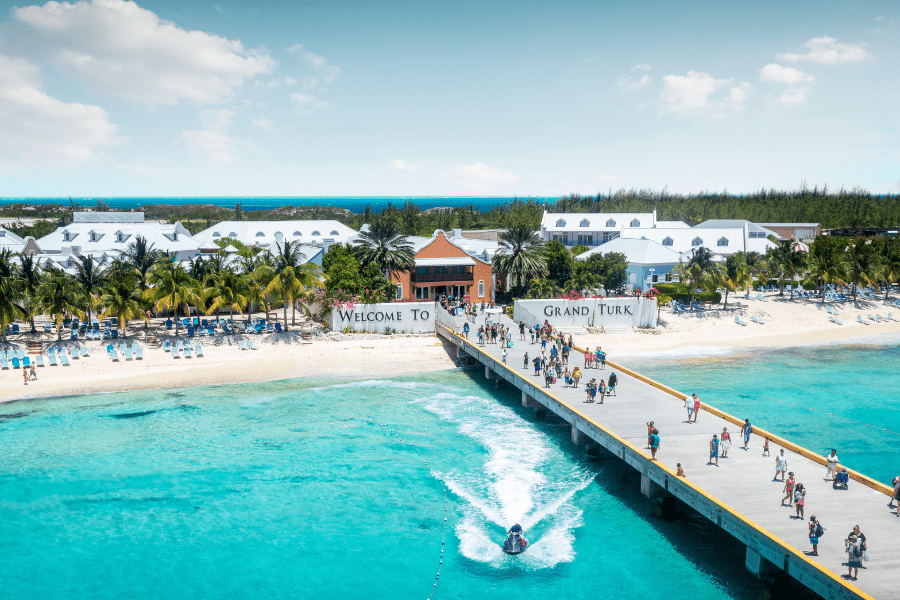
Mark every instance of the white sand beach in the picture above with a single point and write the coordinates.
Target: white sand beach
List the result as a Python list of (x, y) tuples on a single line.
[(282, 356)]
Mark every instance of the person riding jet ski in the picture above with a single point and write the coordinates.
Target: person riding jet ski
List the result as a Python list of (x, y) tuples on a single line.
[(515, 543)]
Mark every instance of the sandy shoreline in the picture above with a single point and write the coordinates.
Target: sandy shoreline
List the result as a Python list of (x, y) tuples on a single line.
[(284, 356)]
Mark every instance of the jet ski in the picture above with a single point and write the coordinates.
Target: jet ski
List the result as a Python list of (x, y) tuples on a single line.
[(515, 543)]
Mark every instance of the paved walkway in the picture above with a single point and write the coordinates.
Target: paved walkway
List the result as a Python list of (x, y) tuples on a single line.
[(743, 480)]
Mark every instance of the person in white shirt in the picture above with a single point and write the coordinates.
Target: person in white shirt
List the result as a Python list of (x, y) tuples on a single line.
[(832, 464)]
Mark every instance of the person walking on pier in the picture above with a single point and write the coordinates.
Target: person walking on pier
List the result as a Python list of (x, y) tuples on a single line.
[(746, 430), (780, 466), (896, 496), (537, 366), (689, 404), (650, 428), (522, 330), (789, 490), (654, 444), (526, 362), (860, 541), (766, 447), (799, 499), (854, 557), (714, 450), (696, 406), (726, 442), (611, 386), (832, 464)]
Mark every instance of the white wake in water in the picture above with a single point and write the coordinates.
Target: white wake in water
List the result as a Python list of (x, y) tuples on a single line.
[(524, 479)]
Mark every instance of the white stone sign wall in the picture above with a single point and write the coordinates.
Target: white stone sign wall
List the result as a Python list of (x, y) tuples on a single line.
[(589, 312), (404, 317)]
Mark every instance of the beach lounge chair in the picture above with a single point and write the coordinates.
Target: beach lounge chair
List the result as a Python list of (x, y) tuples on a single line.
[(15, 328), (204, 322), (126, 351), (201, 331), (168, 323), (859, 319), (26, 362), (241, 345), (760, 297), (190, 331), (51, 359), (196, 322), (833, 320), (738, 321), (880, 318), (138, 352), (225, 328), (278, 328), (4, 364), (210, 330), (15, 362), (75, 354), (113, 354), (187, 352), (176, 352), (84, 351), (167, 346), (198, 350), (39, 360), (64, 359), (48, 327), (891, 317), (251, 346), (20, 353), (74, 335), (270, 328), (871, 318), (756, 319)]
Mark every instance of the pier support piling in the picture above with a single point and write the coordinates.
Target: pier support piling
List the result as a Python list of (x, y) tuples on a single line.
[(650, 488), (526, 400), (759, 566), (488, 374), (577, 436)]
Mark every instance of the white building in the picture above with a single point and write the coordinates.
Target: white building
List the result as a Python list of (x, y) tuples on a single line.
[(722, 236), (106, 233), (10, 241), (593, 229), (262, 234), (648, 261)]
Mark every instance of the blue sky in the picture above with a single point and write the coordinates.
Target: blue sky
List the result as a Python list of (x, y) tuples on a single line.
[(161, 98)]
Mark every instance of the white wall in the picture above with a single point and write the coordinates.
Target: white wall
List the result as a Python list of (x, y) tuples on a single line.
[(405, 317), (589, 312)]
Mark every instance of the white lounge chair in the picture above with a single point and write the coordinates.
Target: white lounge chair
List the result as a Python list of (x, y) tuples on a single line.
[(859, 319)]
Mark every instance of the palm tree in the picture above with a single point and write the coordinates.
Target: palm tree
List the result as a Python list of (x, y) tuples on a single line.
[(89, 279), (229, 289), (10, 291), (57, 296), (699, 270), (521, 254), (826, 265), (862, 263), (386, 247), (123, 300), (889, 252), (29, 274), (172, 288), (141, 256), (292, 276), (735, 275), (794, 264)]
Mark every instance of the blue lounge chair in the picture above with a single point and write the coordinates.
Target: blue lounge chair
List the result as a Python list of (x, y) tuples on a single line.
[(270, 328), (176, 352), (880, 318), (739, 322), (225, 328), (871, 318), (74, 334), (859, 319), (204, 322), (168, 323), (833, 320), (190, 331), (186, 322), (167, 346), (15, 362), (64, 360), (26, 362), (756, 319), (251, 346), (138, 352), (15, 328), (760, 297), (48, 327), (187, 352), (75, 353), (278, 328), (198, 350), (4, 364), (84, 351), (242, 345), (115, 334), (126, 351), (113, 354), (891, 317), (210, 330), (39, 360), (51, 358), (201, 331)]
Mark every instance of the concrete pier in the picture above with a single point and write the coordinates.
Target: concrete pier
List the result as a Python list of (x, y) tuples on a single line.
[(739, 495)]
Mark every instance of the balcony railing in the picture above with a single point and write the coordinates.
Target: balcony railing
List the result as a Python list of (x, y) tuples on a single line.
[(429, 277)]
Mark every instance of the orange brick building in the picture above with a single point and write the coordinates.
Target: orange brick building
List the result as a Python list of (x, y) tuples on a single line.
[(444, 268)]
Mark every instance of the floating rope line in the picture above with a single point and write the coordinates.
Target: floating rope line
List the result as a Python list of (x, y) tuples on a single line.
[(851, 419), (446, 512)]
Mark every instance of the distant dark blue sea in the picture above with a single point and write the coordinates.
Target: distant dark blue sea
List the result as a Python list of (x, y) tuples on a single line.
[(356, 204)]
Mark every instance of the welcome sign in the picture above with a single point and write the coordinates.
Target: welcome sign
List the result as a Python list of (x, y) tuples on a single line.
[(402, 317), (589, 312)]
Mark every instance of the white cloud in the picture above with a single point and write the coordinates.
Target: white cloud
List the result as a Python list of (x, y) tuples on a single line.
[(37, 129), (828, 51), (213, 141), (262, 123), (478, 177), (121, 49), (402, 165), (693, 93), (628, 84), (778, 74), (307, 103), (793, 96)]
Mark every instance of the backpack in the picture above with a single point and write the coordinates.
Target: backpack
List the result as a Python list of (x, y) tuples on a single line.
[(749, 428), (819, 531)]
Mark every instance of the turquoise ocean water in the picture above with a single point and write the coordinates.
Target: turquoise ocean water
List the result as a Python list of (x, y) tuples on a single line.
[(356, 204), (298, 489), (792, 391)]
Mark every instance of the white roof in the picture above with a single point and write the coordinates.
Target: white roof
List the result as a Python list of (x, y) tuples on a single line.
[(450, 261), (264, 233), (720, 240), (595, 221), (173, 238), (483, 250), (672, 224), (108, 217), (10, 241), (636, 251)]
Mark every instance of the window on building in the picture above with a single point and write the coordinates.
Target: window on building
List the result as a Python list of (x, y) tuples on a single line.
[(316, 233), (422, 293), (696, 242), (481, 289), (216, 234), (722, 242), (585, 223), (93, 237), (175, 237), (668, 241), (232, 235), (669, 276), (561, 223), (66, 237), (756, 234), (460, 269), (655, 278), (260, 234), (585, 239), (440, 270), (399, 291), (611, 223), (421, 270), (334, 232), (298, 234), (635, 223), (120, 237)]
